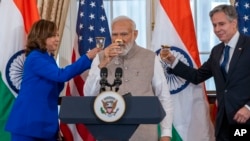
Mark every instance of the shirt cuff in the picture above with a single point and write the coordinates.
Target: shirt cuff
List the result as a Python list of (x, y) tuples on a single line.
[(174, 63), (248, 107), (166, 132)]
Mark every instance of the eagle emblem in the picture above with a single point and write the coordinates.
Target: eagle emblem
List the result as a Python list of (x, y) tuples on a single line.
[(109, 106)]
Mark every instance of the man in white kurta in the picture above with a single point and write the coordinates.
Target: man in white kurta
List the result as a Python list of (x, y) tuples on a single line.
[(142, 76)]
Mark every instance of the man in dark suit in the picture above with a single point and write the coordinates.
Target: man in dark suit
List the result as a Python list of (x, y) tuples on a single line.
[(233, 85)]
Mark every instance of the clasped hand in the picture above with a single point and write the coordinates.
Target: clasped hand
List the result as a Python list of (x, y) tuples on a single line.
[(167, 56), (112, 51), (92, 53)]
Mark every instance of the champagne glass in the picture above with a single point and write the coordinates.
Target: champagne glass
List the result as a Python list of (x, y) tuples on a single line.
[(100, 42), (164, 51), (117, 58)]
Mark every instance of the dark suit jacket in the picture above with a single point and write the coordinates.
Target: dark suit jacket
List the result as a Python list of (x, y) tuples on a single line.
[(35, 111), (232, 93)]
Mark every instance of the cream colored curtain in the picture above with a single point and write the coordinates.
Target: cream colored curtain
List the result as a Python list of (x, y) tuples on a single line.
[(54, 10)]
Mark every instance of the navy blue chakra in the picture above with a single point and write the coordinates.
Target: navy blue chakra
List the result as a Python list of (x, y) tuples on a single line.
[(14, 70)]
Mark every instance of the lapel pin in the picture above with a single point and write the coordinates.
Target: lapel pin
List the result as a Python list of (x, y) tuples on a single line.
[(240, 48)]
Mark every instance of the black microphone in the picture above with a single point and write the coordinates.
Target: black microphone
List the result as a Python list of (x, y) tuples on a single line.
[(103, 81), (118, 76), (104, 72), (118, 72)]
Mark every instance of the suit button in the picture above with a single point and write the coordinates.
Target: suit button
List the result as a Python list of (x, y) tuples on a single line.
[(225, 91)]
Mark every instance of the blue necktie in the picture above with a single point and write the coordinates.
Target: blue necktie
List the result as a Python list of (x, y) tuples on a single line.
[(225, 60)]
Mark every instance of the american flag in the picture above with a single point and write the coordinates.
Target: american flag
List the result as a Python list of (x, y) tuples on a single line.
[(243, 10), (91, 22)]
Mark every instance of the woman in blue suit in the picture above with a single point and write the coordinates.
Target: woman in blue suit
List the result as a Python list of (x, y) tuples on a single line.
[(34, 116)]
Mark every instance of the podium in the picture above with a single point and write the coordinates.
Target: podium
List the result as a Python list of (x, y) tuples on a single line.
[(139, 110)]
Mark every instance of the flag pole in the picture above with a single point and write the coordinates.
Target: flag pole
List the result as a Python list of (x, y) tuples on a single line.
[(153, 15)]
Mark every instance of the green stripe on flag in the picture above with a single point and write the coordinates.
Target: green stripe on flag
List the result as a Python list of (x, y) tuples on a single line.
[(175, 134), (6, 100), (159, 131)]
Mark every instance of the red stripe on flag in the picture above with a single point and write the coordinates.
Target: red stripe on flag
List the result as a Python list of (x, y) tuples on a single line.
[(73, 58), (84, 133), (186, 31), (78, 81), (68, 90), (67, 135)]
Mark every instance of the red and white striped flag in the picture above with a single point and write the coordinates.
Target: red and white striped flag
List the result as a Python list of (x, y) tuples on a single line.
[(91, 23), (174, 27), (17, 17)]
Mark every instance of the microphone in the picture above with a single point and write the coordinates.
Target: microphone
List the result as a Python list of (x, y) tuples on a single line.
[(104, 72), (118, 76), (103, 81), (118, 72)]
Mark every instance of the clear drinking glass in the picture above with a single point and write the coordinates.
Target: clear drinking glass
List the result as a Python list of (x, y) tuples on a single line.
[(100, 42), (165, 49), (118, 58)]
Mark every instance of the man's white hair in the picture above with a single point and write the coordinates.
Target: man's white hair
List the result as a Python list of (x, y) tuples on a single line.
[(124, 18)]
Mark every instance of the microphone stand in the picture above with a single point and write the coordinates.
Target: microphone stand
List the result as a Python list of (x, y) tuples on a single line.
[(117, 83), (103, 82)]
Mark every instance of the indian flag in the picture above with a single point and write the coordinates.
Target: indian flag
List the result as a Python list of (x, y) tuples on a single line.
[(16, 16), (174, 27)]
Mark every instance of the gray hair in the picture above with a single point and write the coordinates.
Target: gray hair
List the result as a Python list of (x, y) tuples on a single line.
[(229, 10), (124, 18)]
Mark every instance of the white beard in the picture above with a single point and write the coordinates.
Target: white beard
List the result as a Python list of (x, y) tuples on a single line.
[(127, 48)]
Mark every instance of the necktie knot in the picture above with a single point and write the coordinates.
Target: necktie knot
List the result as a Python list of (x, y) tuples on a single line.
[(225, 60)]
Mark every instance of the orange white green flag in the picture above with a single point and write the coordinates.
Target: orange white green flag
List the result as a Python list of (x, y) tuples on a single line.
[(16, 16), (174, 27)]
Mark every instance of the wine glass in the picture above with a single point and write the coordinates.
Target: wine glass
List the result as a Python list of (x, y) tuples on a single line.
[(100, 42)]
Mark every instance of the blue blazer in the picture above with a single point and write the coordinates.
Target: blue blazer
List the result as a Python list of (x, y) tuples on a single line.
[(233, 92), (35, 111)]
